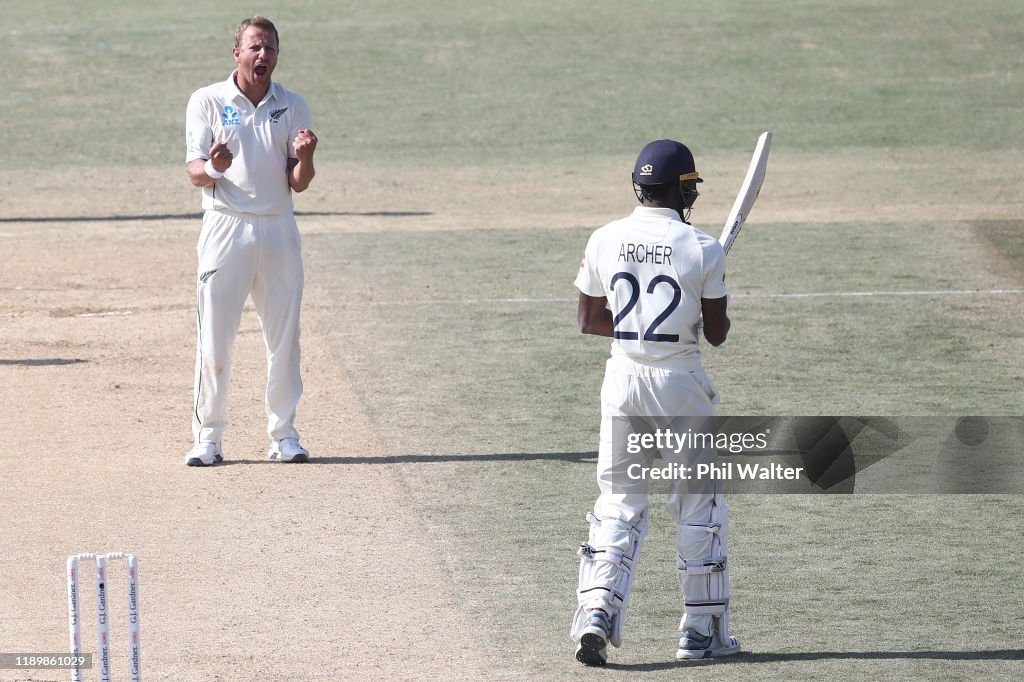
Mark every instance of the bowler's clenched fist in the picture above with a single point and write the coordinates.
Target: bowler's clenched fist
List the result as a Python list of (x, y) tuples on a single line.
[(305, 144), (220, 157)]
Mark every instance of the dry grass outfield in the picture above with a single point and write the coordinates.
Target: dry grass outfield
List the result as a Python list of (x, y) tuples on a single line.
[(845, 185), (465, 154), (351, 566), (494, 424), (249, 571)]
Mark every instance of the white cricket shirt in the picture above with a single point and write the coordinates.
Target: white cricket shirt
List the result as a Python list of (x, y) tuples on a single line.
[(260, 137), (654, 269)]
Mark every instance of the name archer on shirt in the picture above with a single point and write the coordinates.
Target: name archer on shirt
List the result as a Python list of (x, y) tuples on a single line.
[(658, 254)]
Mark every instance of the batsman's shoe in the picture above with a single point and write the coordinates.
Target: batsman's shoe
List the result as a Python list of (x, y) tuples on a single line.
[(288, 450), (204, 455), (593, 647), (695, 646)]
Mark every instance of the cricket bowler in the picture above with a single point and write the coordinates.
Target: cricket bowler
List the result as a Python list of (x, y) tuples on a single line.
[(249, 146)]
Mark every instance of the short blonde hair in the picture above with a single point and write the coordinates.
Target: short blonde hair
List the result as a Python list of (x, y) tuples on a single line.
[(258, 22)]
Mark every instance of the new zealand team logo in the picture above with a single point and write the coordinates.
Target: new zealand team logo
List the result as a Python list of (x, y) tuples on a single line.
[(276, 114), (229, 117)]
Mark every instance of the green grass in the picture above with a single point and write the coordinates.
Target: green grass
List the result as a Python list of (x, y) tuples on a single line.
[(1004, 239), (487, 395), (520, 370), (493, 83), (489, 406)]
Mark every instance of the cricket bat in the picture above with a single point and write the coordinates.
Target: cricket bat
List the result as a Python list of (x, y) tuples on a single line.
[(749, 190)]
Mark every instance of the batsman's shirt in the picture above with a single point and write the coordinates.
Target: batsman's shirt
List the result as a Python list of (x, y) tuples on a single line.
[(261, 139), (654, 269)]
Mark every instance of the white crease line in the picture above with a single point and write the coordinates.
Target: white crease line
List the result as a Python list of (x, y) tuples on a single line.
[(816, 294), (861, 294), (530, 301)]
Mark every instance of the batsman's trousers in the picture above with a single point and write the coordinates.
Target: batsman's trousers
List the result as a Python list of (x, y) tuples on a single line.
[(634, 388), (242, 254)]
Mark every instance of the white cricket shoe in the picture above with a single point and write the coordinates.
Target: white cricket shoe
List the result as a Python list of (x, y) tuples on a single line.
[(593, 647), (204, 455), (288, 450), (695, 646)]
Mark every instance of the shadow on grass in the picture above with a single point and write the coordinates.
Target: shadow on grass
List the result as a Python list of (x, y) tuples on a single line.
[(798, 656), (42, 362), (198, 216), (585, 457), (1004, 236)]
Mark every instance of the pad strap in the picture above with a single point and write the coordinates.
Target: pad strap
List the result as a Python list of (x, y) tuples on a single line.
[(709, 527), (715, 564), (709, 608), (609, 555)]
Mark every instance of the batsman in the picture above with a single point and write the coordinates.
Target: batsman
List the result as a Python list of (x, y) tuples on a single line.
[(648, 281)]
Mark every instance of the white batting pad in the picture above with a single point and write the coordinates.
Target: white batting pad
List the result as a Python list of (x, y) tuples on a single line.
[(607, 563)]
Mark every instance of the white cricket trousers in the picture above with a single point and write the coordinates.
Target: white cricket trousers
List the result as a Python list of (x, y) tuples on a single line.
[(657, 389), (242, 254)]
